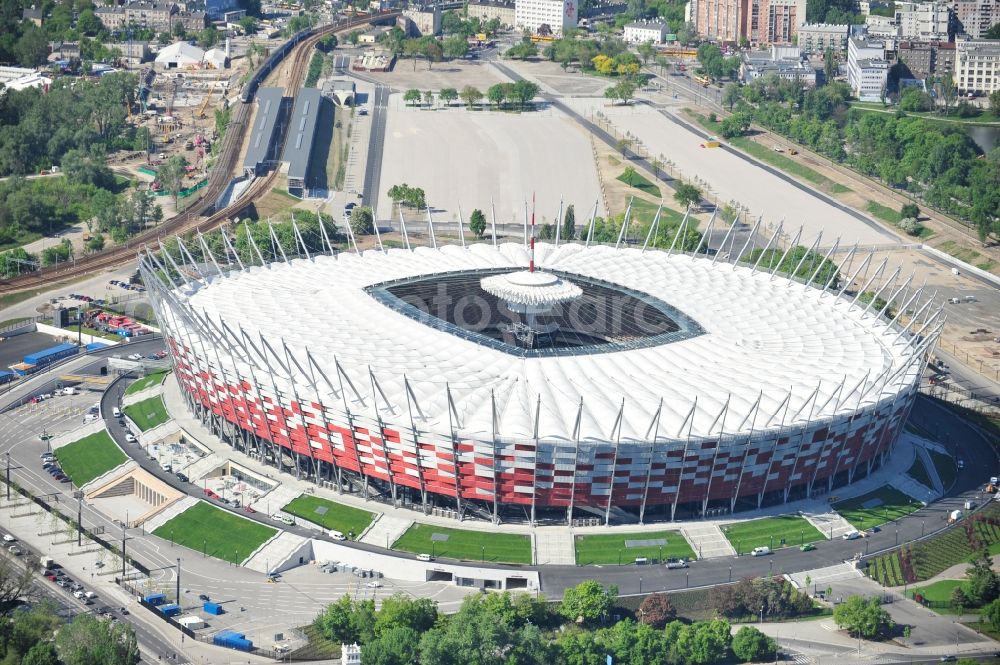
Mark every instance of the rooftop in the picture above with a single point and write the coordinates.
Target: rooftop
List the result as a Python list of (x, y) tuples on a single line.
[(301, 131), (262, 135)]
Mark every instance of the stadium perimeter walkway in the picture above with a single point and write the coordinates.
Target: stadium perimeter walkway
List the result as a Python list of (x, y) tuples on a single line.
[(555, 546)]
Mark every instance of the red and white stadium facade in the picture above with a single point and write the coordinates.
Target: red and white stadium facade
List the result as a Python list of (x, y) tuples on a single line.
[(793, 387)]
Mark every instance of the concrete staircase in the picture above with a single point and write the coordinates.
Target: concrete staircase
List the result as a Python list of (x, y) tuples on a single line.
[(203, 466), (280, 553), (171, 511), (707, 541), (552, 546), (925, 457), (830, 524), (914, 489), (276, 499), (386, 530), (824, 577)]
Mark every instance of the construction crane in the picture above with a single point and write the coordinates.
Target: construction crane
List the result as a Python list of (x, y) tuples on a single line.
[(204, 103)]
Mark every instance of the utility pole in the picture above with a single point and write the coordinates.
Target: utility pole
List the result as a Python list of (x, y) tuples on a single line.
[(178, 601), (79, 517), (8, 475)]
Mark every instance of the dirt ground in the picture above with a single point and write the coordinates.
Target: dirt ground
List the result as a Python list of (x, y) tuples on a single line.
[(441, 75)]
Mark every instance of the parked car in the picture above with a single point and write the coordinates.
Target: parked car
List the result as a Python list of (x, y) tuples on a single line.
[(248, 509), (7, 538), (203, 598), (760, 551), (181, 477), (807, 547), (130, 438), (852, 535)]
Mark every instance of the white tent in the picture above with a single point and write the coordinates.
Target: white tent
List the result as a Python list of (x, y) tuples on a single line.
[(179, 54), (216, 57)]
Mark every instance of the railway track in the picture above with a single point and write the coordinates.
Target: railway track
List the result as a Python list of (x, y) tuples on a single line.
[(200, 215)]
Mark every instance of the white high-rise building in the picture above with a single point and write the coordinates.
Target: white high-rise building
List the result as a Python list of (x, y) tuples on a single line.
[(977, 66), (926, 21), (557, 14), (867, 68)]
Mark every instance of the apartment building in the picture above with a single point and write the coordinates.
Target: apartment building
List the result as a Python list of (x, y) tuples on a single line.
[(977, 66), (975, 17), (557, 14), (818, 37), (641, 32), (867, 68)]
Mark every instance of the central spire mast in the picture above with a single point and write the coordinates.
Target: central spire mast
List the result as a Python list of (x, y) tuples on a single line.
[(531, 262)]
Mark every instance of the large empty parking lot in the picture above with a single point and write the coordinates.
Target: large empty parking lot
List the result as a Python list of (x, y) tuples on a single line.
[(468, 157)]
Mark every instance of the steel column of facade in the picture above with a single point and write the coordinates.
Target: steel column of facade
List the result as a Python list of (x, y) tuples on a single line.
[(222, 372), (864, 289), (715, 454), (878, 294), (495, 430), (881, 436), (453, 421), (461, 225), (410, 400), (350, 419), (200, 334), (271, 438), (805, 433), (238, 341), (655, 426), (763, 252), (559, 219), (338, 474), (230, 248), (746, 450), (750, 238), (725, 239), (278, 399), (534, 465), (653, 228), (681, 228), (687, 442), (576, 462), (430, 228), (381, 437), (706, 236), (616, 433), (590, 225), (493, 220), (301, 412)]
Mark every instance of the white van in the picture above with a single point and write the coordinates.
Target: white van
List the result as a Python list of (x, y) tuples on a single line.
[(852, 535), (336, 535), (69, 391), (760, 551), (116, 412), (424, 557)]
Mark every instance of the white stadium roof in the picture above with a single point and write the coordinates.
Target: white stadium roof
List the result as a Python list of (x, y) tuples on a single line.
[(764, 337)]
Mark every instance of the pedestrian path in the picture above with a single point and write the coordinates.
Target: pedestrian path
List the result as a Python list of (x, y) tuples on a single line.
[(554, 546), (707, 540), (824, 577), (276, 499), (173, 510), (203, 466), (830, 524), (386, 530), (911, 488)]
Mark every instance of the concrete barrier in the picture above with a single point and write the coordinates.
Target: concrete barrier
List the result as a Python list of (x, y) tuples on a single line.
[(962, 265)]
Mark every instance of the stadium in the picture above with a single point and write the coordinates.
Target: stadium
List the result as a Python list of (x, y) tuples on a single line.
[(572, 381)]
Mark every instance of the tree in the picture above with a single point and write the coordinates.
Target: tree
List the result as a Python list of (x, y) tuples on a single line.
[(477, 223), (863, 618), (588, 601), (447, 95), (948, 91), (208, 37), (42, 653), (959, 600), (646, 51), (752, 646), (85, 168), (910, 210), (96, 243), (657, 167), (455, 47), (731, 95), (546, 232), (687, 194), (88, 640), (248, 24), (663, 63), (398, 610), (471, 95), (656, 610), (523, 92), (171, 175), (628, 175), (353, 37), (984, 583), (569, 223), (829, 65), (429, 98), (412, 96), (910, 226), (496, 93), (603, 64), (991, 614), (362, 221), (396, 646), (995, 98), (32, 48)]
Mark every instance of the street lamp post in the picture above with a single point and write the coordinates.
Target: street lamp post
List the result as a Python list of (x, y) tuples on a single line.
[(8, 475), (178, 580), (79, 518)]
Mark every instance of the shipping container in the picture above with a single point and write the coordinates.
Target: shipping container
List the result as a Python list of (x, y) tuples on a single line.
[(170, 610), (155, 599), (97, 346), (6, 376), (232, 640), (52, 354), (212, 608)]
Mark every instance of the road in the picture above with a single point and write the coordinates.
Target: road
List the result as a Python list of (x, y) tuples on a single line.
[(376, 144)]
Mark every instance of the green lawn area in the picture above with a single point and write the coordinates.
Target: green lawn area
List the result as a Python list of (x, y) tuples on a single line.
[(148, 413), (330, 515), (919, 473), (885, 213), (641, 184), (466, 545), (216, 532), (13, 322), (885, 504), (769, 531), (939, 595), (607, 548), (643, 212), (837, 188), (946, 469), (967, 255), (147, 381), (89, 457), (73, 330)]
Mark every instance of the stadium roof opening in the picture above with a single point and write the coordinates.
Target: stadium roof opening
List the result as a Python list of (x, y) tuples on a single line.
[(607, 317)]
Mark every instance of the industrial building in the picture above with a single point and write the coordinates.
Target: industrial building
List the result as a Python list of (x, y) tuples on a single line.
[(265, 137), (300, 140)]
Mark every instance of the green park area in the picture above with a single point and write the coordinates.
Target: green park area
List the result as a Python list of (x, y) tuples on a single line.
[(330, 515), (89, 457), (633, 179), (147, 381), (215, 532), (773, 532), (483, 546), (625, 548), (885, 504), (946, 469), (148, 413)]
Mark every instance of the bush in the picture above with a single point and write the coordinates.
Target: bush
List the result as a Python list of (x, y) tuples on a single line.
[(910, 226), (656, 610), (362, 221), (863, 618), (910, 210)]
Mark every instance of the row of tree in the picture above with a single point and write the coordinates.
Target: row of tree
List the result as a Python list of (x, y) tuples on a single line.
[(501, 629)]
